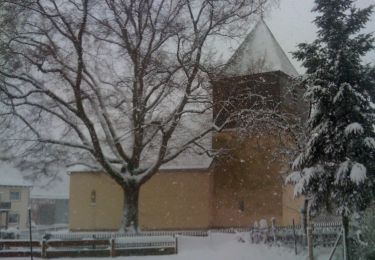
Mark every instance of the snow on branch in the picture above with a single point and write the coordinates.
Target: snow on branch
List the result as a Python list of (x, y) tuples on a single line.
[(353, 129), (358, 173)]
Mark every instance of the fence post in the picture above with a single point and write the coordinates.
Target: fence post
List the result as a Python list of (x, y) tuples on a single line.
[(93, 244), (294, 237), (273, 226), (310, 241), (303, 211), (30, 235), (44, 248), (112, 247)]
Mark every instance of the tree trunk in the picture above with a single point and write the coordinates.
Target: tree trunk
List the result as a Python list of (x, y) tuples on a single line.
[(345, 225), (130, 210)]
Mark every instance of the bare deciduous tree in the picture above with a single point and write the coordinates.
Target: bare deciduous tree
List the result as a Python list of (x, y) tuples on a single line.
[(112, 84)]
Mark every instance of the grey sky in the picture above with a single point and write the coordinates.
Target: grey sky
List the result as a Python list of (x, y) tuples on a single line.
[(291, 23)]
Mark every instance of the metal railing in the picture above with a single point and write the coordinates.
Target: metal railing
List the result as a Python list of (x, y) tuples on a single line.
[(324, 234)]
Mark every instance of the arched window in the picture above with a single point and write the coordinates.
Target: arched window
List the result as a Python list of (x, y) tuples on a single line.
[(93, 197)]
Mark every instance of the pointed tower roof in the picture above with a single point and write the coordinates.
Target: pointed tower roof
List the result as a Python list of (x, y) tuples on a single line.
[(259, 52)]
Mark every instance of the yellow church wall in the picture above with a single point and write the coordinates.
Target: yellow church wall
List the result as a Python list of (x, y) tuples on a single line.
[(106, 213), (169, 200), (235, 191), (176, 200)]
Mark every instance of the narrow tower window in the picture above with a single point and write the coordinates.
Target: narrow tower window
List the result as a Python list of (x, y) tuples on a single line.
[(241, 205), (93, 197)]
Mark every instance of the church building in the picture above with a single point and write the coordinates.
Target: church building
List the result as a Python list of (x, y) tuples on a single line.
[(232, 190)]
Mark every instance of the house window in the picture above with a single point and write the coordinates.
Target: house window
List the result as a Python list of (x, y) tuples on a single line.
[(93, 197), (15, 195), (14, 218)]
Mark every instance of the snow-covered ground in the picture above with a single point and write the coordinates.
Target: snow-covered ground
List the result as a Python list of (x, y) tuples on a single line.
[(221, 247)]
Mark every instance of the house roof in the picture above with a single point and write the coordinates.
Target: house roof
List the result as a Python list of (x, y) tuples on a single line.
[(259, 52), (52, 188), (9, 176), (46, 188)]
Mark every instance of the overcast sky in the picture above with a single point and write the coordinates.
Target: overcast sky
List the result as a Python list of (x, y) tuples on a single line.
[(291, 23)]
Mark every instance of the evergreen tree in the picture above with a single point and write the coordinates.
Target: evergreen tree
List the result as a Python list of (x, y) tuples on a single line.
[(335, 167)]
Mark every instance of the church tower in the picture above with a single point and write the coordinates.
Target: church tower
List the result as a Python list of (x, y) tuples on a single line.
[(248, 181), (259, 52)]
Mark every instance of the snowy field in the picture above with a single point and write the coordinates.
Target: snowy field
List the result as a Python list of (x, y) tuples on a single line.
[(220, 247)]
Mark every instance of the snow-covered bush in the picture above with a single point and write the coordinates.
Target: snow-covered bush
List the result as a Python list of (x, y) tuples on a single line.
[(10, 233)]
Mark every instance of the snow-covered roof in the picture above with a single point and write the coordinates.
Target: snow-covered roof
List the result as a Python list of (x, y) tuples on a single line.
[(55, 188), (192, 163), (10, 176), (49, 196), (259, 52), (45, 188), (177, 165)]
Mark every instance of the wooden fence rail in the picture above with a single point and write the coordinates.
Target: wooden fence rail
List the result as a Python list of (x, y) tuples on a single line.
[(90, 247), (157, 242), (18, 243)]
